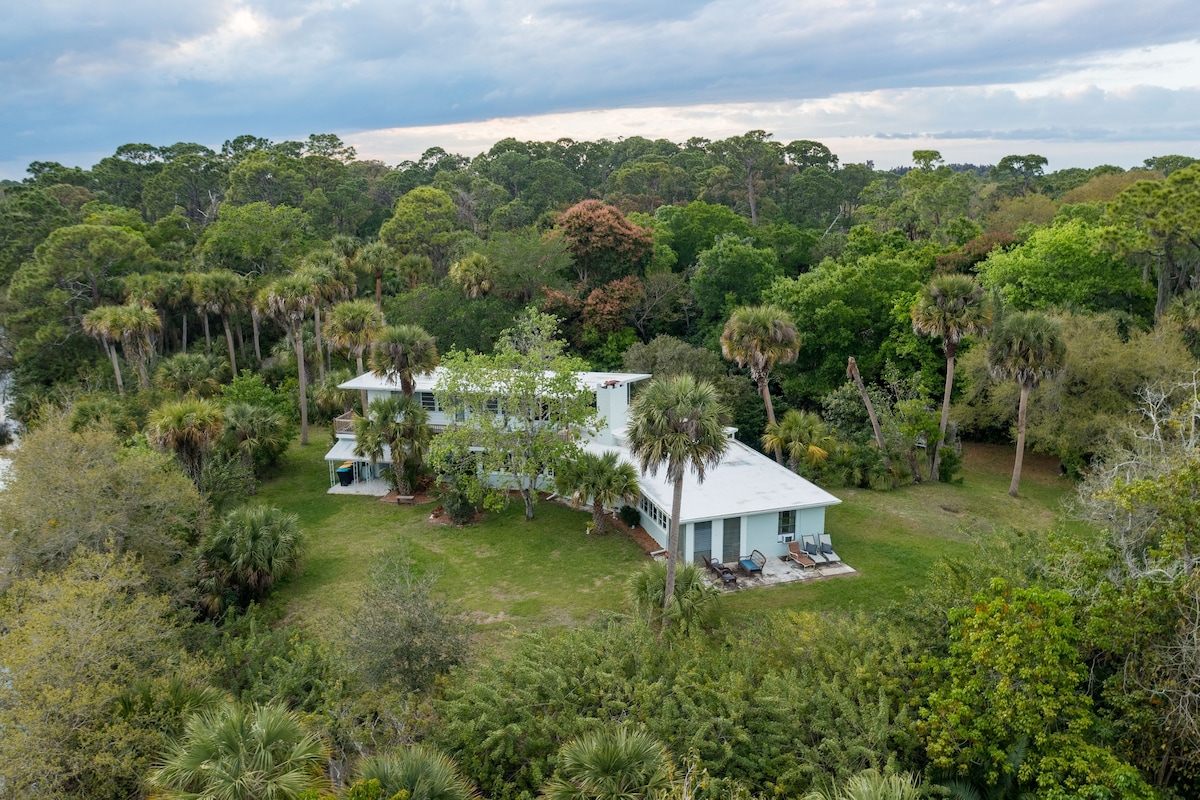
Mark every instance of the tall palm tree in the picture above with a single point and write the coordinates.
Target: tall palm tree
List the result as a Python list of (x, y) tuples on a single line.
[(375, 260), (951, 307), (473, 274), (324, 272), (249, 551), (288, 300), (241, 753), (611, 764), (759, 337), (422, 772), (102, 323), (187, 427), (693, 600), (354, 326), (1026, 347), (190, 374), (137, 325), (852, 373), (222, 292), (677, 422), (404, 351), (400, 425), (802, 436), (604, 480)]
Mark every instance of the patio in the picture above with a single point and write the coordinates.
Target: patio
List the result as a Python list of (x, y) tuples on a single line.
[(370, 488), (781, 570)]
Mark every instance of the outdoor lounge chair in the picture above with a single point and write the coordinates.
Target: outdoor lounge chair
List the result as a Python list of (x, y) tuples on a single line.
[(799, 557), (753, 564), (827, 550), (813, 550), (723, 572)]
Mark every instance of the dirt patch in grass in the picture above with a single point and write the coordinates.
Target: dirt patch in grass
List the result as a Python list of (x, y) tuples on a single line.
[(998, 459)]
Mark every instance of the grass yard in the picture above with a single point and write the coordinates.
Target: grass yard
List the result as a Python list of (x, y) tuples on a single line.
[(512, 576), (508, 574)]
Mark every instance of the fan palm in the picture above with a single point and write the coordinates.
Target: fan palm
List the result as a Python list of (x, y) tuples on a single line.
[(102, 323), (693, 599), (951, 307), (258, 433), (251, 549), (222, 292), (398, 424), (1026, 347), (187, 427), (759, 337), (323, 271), (137, 325), (611, 764), (604, 480), (422, 772), (473, 274), (404, 351), (677, 423), (190, 374), (874, 785), (288, 300), (354, 326), (240, 753), (374, 260), (802, 436)]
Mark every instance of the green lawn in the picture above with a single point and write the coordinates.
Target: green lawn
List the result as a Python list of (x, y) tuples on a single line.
[(513, 576)]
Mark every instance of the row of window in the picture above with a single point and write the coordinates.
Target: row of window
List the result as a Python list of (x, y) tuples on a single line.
[(429, 402), (655, 513)]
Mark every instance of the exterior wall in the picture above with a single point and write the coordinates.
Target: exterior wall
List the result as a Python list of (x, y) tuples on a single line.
[(810, 522), (612, 410), (762, 534)]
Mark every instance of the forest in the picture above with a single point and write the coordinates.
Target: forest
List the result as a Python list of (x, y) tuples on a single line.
[(176, 323)]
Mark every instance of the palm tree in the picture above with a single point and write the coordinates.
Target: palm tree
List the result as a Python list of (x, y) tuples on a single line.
[(187, 427), (374, 260), (324, 272), (871, 784), (190, 374), (288, 300), (611, 764), (256, 432), (852, 373), (222, 292), (421, 772), (240, 753), (1184, 311), (137, 325), (251, 549), (677, 422), (398, 424), (102, 323), (759, 337), (951, 307), (605, 480), (1026, 347), (404, 351), (354, 326), (802, 435), (473, 274), (693, 599)]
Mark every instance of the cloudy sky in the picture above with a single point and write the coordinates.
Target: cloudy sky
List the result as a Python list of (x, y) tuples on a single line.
[(1082, 82)]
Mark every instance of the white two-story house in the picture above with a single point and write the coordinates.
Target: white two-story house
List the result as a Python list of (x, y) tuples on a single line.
[(747, 502)]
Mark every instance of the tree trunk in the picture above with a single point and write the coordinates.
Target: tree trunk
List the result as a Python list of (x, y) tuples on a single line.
[(362, 393), (112, 354), (673, 542), (320, 349), (527, 496), (229, 343), (750, 197), (379, 292), (184, 326), (254, 325), (298, 345), (935, 470), (764, 389), (852, 371), (207, 334), (1016, 478), (598, 521)]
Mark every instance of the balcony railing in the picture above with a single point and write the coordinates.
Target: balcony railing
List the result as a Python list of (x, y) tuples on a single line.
[(344, 423)]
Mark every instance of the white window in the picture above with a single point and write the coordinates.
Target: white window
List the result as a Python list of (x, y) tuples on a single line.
[(787, 525), (428, 401)]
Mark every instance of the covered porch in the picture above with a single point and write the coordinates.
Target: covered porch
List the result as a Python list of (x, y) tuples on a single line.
[(353, 474)]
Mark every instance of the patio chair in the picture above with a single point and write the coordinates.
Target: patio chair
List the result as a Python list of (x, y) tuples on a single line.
[(827, 550), (799, 557), (812, 549), (723, 572)]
